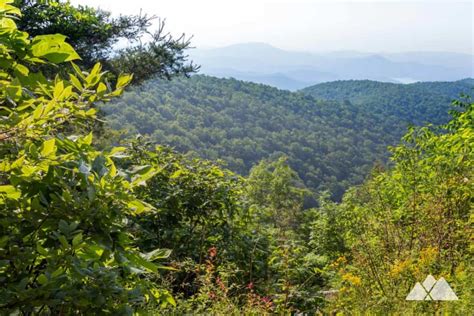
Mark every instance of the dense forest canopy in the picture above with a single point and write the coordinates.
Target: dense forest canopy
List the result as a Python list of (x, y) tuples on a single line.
[(140, 229), (416, 103), (331, 144)]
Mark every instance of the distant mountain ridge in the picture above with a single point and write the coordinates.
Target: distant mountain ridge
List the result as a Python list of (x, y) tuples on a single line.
[(263, 63)]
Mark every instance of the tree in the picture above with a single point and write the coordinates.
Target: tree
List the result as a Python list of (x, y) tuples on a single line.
[(289, 273), (94, 33), (331, 145), (64, 206), (410, 221)]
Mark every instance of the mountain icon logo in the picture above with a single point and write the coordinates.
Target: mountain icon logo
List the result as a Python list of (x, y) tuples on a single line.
[(432, 290)]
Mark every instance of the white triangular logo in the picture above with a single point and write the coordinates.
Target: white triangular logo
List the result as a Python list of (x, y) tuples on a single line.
[(429, 282), (418, 293), (442, 291), (432, 290)]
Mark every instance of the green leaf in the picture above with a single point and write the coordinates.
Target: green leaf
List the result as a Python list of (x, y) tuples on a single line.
[(4, 241), (20, 69), (14, 90), (58, 89), (63, 241), (10, 191), (7, 24), (58, 272), (78, 71), (77, 240), (117, 152), (6, 8), (63, 227), (140, 262), (123, 81), (96, 69), (53, 48), (157, 254), (41, 250), (87, 139), (139, 207), (75, 82), (101, 89), (42, 279), (177, 174), (49, 148), (141, 179), (170, 299)]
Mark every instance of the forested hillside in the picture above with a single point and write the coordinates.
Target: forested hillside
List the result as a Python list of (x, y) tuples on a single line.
[(331, 144), (417, 103), (90, 228)]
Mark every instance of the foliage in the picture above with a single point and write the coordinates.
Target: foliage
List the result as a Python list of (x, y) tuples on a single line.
[(411, 221), (82, 229), (199, 206), (197, 202), (94, 34), (284, 267), (332, 145), (418, 103), (64, 206)]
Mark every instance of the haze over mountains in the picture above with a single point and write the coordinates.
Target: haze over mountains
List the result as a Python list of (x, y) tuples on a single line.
[(291, 70)]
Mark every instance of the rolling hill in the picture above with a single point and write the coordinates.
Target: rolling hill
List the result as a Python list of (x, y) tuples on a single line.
[(332, 144), (417, 103)]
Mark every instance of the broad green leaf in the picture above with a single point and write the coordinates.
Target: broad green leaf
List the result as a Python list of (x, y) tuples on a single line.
[(112, 170), (41, 250), (58, 89), (96, 69), (141, 179), (20, 69), (75, 82), (4, 241), (42, 279), (140, 262), (63, 227), (49, 148), (10, 192), (6, 8), (77, 240), (7, 25), (118, 152), (63, 241), (157, 254), (101, 89), (139, 207), (53, 48), (57, 273), (78, 71), (14, 90), (177, 174), (123, 81), (28, 170), (87, 139), (170, 299)]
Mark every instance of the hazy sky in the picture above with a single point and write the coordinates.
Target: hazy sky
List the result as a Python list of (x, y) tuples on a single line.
[(376, 26)]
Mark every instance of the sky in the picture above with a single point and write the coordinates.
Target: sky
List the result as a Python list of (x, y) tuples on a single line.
[(317, 25)]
